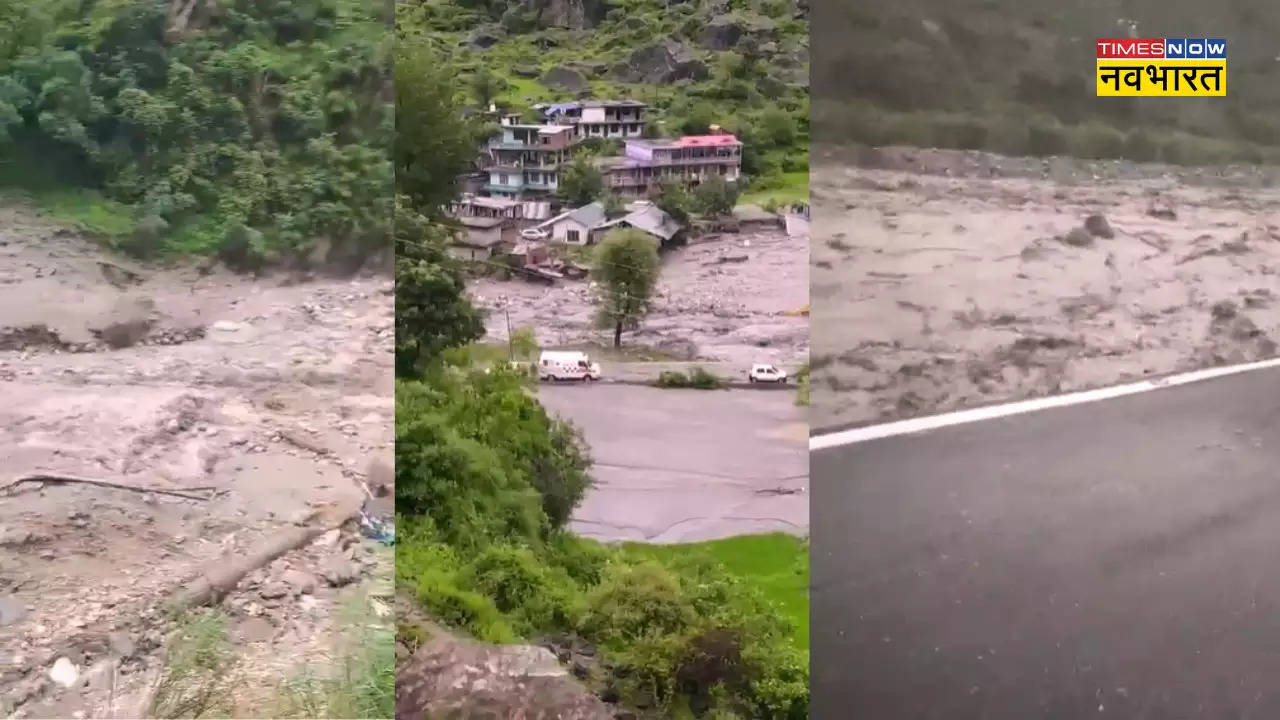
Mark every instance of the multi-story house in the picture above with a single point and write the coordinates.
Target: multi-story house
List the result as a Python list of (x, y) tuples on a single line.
[(599, 118), (647, 164), (526, 160)]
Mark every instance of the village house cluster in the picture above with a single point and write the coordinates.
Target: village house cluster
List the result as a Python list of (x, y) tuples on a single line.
[(510, 208)]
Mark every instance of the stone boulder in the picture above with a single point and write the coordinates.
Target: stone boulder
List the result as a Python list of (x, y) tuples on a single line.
[(660, 63), (565, 78), (723, 32), (452, 677), (486, 37)]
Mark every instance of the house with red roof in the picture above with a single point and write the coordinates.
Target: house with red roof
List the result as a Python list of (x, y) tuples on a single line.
[(647, 163)]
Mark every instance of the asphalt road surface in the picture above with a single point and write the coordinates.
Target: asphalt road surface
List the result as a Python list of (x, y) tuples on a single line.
[(688, 465), (1114, 559)]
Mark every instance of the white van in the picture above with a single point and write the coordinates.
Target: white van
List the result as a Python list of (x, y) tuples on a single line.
[(567, 366)]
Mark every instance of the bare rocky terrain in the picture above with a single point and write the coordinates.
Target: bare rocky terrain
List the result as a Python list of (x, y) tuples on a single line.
[(943, 280), (262, 404), (723, 298)]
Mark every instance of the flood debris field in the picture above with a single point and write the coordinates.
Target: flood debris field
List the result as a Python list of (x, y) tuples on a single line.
[(730, 297), (945, 280), (262, 403)]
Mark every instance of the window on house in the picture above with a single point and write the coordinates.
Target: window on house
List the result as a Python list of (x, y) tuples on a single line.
[(572, 236), (502, 178)]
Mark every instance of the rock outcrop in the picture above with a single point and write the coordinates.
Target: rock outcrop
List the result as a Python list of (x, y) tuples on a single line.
[(451, 677), (661, 63)]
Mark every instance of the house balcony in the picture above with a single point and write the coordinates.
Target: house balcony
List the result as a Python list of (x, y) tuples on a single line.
[(504, 189), (660, 161), (517, 167)]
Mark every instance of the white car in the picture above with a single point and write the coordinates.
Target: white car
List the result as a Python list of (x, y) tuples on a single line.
[(766, 373), (534, 234)]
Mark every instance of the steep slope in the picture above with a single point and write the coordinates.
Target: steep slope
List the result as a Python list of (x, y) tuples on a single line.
[(238, 126)]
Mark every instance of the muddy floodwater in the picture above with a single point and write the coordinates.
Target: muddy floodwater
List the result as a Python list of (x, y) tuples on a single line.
[(728, 298), (228, 409), (949, 280)]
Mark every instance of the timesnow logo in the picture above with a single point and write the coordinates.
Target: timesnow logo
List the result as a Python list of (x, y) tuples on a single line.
[(1161, 67)]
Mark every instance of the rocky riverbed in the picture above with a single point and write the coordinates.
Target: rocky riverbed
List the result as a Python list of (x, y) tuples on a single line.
[(260, 403)]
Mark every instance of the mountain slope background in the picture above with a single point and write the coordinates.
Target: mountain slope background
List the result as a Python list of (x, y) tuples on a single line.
[(740, 64), (1016, 76), (252, 128)]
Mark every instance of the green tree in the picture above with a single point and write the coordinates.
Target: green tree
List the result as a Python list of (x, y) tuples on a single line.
[(485, 86), (581, 182), (777, 128), (433, 313), (674, 198), (626, 270), (524, 343), (434, 144), (613, 206), (716, 196)]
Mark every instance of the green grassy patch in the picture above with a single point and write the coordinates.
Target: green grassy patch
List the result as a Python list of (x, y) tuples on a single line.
[(775, 564), (698, 379), (788, 189), (87, 211), (357, 681)]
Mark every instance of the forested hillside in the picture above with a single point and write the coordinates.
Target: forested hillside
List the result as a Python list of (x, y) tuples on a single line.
[(742, 64), (253, 128), (1016, 76)]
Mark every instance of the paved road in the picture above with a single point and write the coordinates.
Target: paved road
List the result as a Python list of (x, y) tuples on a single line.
[(1117, 559), (649, 371), (688, 465)]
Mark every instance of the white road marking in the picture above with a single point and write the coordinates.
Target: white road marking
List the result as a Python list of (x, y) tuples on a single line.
[(933, 422)]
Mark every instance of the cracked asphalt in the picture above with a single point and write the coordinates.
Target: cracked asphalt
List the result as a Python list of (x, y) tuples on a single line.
[(676, 466)]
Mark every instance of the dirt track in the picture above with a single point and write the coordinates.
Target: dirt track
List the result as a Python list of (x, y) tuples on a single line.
[(730, 298), (274, 397), (948, 280)]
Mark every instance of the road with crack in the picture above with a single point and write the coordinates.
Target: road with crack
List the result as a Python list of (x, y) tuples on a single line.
[(688, 465), (1110, 559)]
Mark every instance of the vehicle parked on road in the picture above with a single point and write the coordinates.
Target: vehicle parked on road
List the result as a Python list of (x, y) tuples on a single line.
[(761, 372), (567, 366)]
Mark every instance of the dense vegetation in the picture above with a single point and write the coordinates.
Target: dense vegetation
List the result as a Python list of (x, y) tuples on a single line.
[(1016, 76), (259, 130), (741, 64), (486, 482)]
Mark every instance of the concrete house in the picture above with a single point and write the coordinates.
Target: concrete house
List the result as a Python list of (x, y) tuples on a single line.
[(577, 227), (525, 160), (647, 218), (647, 164), (599, 118), (483, 237), (588, 224)]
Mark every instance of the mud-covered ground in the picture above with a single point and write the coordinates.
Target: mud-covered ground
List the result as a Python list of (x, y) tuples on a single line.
[(944, 280), (263, 401), (728, 298)]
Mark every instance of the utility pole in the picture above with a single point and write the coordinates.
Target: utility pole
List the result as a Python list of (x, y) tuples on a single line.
[(511, 347)]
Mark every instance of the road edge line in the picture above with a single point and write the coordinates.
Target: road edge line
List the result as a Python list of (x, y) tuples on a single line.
[(911, 426)]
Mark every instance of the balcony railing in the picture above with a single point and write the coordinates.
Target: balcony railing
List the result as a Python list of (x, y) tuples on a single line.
[(661, 161)]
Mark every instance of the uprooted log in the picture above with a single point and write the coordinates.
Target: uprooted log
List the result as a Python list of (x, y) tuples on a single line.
[(221, 576)]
